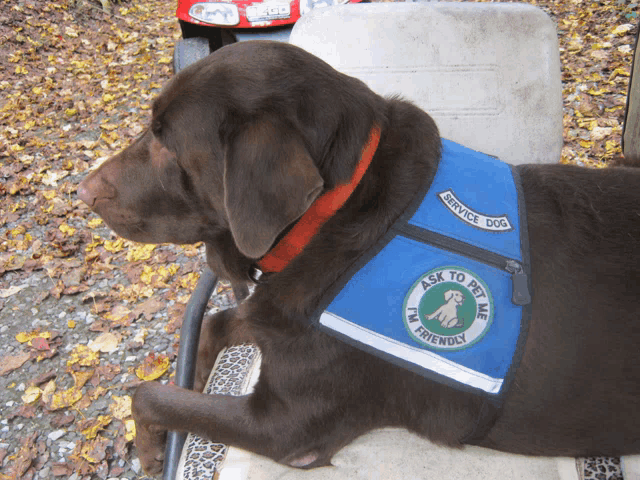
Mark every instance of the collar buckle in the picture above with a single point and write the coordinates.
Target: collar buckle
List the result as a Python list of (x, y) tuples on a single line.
[(256, 275)]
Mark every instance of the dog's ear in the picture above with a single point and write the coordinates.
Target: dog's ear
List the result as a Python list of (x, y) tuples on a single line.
[(270, 180)]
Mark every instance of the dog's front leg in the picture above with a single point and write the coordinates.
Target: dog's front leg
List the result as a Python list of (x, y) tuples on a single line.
[(252, 422), (158, 408), (218, 331)]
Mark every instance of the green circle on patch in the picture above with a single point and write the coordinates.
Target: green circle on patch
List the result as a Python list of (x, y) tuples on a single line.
[(448, 308)]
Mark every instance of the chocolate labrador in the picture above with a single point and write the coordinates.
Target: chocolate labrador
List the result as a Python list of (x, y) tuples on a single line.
[(242, 144)]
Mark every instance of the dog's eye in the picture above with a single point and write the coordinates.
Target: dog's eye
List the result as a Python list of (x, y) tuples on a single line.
[(156, 127)]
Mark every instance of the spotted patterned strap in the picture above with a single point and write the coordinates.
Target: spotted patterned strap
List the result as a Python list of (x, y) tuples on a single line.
[(599, 468), (235, 372)]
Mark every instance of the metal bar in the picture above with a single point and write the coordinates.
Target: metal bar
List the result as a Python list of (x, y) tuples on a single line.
[(186, 361)]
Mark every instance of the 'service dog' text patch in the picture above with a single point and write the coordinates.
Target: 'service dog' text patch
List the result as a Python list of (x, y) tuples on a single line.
[(468, 215)]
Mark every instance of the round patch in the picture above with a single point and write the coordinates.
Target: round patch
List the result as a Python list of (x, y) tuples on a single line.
[(448, 308)]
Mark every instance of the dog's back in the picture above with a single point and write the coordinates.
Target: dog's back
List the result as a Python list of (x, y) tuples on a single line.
[(579, 380)]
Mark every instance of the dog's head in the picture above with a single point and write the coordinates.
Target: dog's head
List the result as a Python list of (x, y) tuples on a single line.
[(239, 146), (457, 296)]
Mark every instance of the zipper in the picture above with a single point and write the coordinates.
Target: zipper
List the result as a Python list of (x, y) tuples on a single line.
[(519, 281)]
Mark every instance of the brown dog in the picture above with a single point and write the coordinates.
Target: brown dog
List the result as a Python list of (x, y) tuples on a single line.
[(241, 143)]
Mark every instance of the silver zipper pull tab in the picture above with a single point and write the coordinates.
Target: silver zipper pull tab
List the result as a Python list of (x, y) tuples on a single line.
[(519, 282)]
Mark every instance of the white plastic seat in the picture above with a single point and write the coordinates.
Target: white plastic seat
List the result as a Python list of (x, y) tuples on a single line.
[(488, 73)]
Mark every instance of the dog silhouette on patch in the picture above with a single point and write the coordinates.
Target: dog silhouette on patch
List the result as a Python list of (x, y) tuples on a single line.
[(447, 314)]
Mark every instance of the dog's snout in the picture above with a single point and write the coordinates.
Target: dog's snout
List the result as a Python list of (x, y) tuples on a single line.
[(94, 188)]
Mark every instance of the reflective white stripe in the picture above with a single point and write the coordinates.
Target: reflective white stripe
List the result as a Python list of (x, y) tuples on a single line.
[(424, 358)]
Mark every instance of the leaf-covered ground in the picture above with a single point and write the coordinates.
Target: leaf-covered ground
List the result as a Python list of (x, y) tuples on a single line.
[(85, 315)]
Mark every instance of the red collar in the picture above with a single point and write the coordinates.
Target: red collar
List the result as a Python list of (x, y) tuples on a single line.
[(323, 208)]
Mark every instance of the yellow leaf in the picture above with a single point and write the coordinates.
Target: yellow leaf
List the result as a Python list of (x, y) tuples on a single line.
[(97, 424), (66, 229), (94, 222), (130, 427), (141, 252), (153, 367), (65, 398), (114, 246), (31, 394), (47, 391), (585, 144), (19, 230), (70, 112), (107, 97), (164, 60), (71, 324), (81, 377), (83, 356), (121, 407), (105, 343), (92, 451), (21, 70), (612, 146), (23, 337), (189, 280), (622, 71)]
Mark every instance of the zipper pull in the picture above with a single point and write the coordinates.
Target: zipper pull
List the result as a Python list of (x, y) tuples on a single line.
[(521, 295)]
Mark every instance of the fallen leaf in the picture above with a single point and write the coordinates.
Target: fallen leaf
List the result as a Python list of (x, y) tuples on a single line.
[(150, 307), (7, 292), (92, 426), (130, 426), (120, 408), (48, 391), (153, 367), (83, 356), (81, 377), (95, 450), (140, 252), (95, 222), (40, 344), (25, 456), (23, 337), (31, 395), (9, 363), (61, 469), (64, 399), (105, 343)]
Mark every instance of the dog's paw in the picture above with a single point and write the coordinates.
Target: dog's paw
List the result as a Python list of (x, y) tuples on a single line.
[(150, 443)]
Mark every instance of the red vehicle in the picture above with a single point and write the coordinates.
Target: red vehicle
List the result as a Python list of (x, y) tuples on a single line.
[(209, 24)]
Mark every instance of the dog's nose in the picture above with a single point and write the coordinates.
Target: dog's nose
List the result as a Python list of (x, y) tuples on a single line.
[(95, 188), (85, 195)]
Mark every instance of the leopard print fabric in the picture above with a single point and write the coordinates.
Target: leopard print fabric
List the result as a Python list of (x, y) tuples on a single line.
[(600, 468), (231, 375)]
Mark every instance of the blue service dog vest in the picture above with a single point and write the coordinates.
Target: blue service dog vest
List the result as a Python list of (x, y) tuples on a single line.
[(445, 293)]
